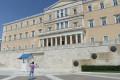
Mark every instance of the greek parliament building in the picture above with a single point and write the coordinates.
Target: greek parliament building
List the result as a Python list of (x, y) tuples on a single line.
[(68, 34)]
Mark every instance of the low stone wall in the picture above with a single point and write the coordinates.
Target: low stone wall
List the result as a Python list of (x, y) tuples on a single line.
[(62, 57)]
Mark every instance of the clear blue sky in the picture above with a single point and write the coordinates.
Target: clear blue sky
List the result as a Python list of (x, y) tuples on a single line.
[(11, 10)]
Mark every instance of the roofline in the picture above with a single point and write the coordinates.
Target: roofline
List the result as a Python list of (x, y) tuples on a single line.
[(88, 1), (23, 19), (51, 6), (59, 6)]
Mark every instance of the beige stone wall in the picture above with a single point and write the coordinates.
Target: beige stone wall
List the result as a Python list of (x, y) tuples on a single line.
[(62, 57), (98, 31), (24, 41)]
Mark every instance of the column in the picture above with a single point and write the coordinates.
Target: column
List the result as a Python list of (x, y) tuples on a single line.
[(76, 38), (82, 38), (47, 42), (39, 45), (60, 40), (51, 41), (56, 41), (70, 39), (65, 40), (43, 42)]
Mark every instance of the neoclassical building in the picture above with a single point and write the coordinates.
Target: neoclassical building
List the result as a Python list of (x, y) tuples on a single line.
[(63, 25)]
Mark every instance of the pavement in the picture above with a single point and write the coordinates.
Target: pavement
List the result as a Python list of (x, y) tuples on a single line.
[(54, 74)]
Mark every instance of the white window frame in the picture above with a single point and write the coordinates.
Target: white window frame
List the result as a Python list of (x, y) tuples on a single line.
[(32, 34), (10, 38), (73, 11), (115, 18), (91, 40), (11, 27), (16, 26), (74, 23), (49, 28), (113, 3), (89, 23), (15, 37), (40, 30), (5, 39), (21, 25), (118, 36), (26, 34), (103, 4), (41, 20), (34, 22), (32, 46), (20, 36), (104, 39), (105, 19), (88, 9), (25, 47), (27, 23)]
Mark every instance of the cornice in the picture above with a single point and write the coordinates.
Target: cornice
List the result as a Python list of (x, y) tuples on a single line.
[(24, 19), (62, 31)]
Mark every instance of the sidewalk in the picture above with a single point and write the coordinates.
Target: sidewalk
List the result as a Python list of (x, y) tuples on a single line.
[(14, 71)]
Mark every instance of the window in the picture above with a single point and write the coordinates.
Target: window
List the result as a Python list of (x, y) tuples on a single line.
[(25, 46), (115, 2), (89, 8), (61, 12), (66, 12), (20, 35), (117, 18), (19, 47), (103, 20), (119, 36), (62, 25), (10, 27), (90, 23), (75, 24), (57, 26), (26, 34), (10, 38), (74, 11), (92, 39), (101, 5), (3, 49), (40, 20), (27, 23), (15, 37), (33, 22), (13, 48), (40, 30), (105, 38), (66, 24), (33, 33), (21, 25), (6, 28), (5, 39), (57, 14), (8, 48), (16, 26), (49, 29), (32, 46), (50, 17)]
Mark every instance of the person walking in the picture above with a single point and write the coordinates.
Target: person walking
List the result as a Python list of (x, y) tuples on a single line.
[(32, 66)]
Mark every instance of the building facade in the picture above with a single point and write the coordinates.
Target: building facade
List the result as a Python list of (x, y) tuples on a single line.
[(65, 24)]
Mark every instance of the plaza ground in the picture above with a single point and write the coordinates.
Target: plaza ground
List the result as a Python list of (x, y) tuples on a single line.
[(52, 74)]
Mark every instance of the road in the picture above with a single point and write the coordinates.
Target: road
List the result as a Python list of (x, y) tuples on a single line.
[(70, 76)]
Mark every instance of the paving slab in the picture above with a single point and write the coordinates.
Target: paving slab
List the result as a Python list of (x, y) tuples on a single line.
[(2, 77), (84, 77), (27, 78)]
